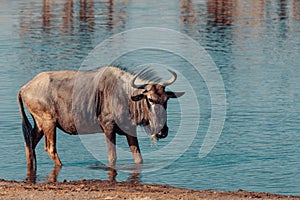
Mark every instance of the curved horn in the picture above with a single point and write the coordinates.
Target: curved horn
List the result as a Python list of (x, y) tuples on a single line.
[(172, 80), (135, 77)]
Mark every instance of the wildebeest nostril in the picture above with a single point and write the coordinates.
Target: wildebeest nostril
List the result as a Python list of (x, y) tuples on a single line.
[(163, 133)]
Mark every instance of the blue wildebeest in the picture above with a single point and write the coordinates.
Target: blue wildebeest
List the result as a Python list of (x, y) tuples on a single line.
[(108, 100)]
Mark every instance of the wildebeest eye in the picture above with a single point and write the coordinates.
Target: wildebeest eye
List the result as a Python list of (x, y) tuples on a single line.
[(137, 97), (151, 100)]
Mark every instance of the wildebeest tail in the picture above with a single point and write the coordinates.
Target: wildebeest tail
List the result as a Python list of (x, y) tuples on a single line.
[(26, 126)]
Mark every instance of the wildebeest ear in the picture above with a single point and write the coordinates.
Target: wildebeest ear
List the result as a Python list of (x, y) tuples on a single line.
[(137, 97), (175, 94)]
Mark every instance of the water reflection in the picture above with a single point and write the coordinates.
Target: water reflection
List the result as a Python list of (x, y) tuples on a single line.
[(47, 14), (282, 9), (220, 12), (88, 16), (187, 12), (86, 13), (52, 176), (67, 23), (110, 14), (134, 176), (295, 11), (58, 15), (116, 14), (31, 175)]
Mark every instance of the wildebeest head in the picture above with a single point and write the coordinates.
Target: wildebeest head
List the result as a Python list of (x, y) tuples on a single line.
[(155, 100)]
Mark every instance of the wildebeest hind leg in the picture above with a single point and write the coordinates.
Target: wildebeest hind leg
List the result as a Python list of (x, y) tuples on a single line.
[(50, 142), (111, 148), (37, 132), (36, 136)]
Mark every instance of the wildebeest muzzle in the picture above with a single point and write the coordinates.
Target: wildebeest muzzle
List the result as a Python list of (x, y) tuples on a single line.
[(163, 133)]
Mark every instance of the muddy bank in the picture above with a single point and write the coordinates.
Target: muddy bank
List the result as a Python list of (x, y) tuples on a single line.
[(96, 189)]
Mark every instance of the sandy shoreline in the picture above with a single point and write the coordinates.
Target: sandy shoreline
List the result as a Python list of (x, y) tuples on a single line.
[(97, 189)]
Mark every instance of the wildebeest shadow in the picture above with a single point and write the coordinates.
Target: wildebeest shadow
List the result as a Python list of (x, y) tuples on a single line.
[(134, 177)]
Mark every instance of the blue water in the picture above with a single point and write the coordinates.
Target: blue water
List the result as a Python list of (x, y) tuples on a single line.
[(254, 44)]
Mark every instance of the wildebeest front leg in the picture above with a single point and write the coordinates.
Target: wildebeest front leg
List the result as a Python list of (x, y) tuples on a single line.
[(111, 148), (135, 149)]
